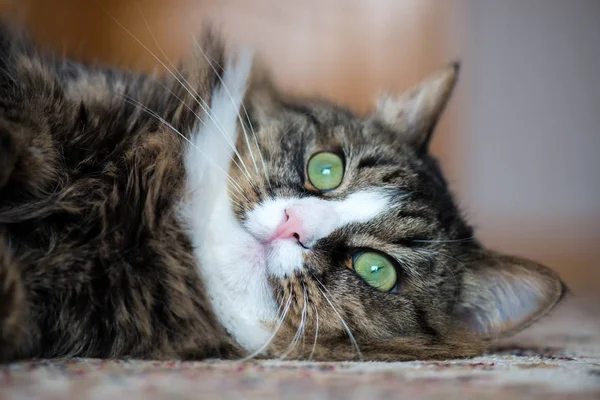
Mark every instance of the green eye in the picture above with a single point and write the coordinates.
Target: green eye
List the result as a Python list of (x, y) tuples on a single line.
[(377, 270), (325, 171)]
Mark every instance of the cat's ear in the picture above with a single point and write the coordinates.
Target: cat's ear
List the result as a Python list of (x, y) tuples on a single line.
[(416, 112), (502, 294)]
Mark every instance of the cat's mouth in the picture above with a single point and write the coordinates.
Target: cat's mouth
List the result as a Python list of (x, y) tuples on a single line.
[(281, 256), (305, 247)]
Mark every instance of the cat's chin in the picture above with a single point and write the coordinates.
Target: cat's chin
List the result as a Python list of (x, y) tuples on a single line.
[(278, 258), (284, 258)]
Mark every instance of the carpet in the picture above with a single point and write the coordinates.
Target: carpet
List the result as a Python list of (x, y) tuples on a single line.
[(557, 358)]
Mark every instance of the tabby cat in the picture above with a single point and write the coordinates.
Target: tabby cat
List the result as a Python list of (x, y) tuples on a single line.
[(206, 214)]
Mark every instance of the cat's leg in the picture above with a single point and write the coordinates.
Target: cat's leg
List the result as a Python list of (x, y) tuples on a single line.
[(12, 306)]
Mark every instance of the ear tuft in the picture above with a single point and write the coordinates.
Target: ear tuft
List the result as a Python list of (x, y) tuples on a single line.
[(416, 112), (502, 295)]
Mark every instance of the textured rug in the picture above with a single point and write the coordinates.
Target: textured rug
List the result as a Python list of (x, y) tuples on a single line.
[(556, 359)]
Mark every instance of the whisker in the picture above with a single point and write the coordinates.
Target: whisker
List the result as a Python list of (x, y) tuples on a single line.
[(306, 308), (260, 155), (454, 259), (144, 108), (350, 335), (235, 202), (253, 132), (277, 327), (196, 96), (443, 241), (205, 125), (288, 129), (231, 98), (299, 331), (316, 333), (453, 274)]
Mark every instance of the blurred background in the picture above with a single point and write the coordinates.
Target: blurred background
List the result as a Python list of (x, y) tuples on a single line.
[(518, 142)]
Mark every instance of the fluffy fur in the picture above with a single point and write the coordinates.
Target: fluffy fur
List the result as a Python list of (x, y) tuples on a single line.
[(137, 217)]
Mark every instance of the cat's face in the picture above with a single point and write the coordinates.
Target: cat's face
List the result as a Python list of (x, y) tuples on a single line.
[(347, 242)]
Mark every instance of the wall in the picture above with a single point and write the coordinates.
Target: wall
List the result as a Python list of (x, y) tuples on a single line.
[(532, 130)]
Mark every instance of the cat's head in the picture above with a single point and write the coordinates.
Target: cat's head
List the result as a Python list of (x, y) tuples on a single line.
[(347, 241)]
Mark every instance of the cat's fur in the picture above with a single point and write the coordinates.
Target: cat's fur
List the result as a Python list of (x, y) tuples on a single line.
[(121, 235)]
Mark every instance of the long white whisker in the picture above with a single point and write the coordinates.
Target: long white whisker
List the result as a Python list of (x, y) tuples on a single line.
[(316, 333), (242, 170), (443, 241), (454, 259), (299, 331), (262, 160), (451, 272), (234, 201), (231, 98), (305, 311), (287, 130), (144, 108), (346, 327), (196, 96), (277, 327)]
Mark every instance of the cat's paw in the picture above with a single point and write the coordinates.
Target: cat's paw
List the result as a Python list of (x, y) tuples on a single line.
[(8, 155)]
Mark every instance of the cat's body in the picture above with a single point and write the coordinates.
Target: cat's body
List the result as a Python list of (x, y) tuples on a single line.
[(122, 236), (95, 259)]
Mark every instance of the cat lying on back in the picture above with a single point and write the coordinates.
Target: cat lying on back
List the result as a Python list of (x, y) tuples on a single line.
[(207, 214)]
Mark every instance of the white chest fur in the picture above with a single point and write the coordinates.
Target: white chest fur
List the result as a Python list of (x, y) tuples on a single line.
[(236, 285)]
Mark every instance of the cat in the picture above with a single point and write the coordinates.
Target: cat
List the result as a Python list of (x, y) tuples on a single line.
[(207, 214)]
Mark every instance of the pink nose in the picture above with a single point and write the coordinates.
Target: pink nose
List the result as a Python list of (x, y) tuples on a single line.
[(290, 228)]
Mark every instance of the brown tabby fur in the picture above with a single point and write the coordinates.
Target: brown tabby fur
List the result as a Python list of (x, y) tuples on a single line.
[(95, 261)]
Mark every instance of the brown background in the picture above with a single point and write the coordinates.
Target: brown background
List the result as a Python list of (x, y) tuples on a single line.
[(352, 50)]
